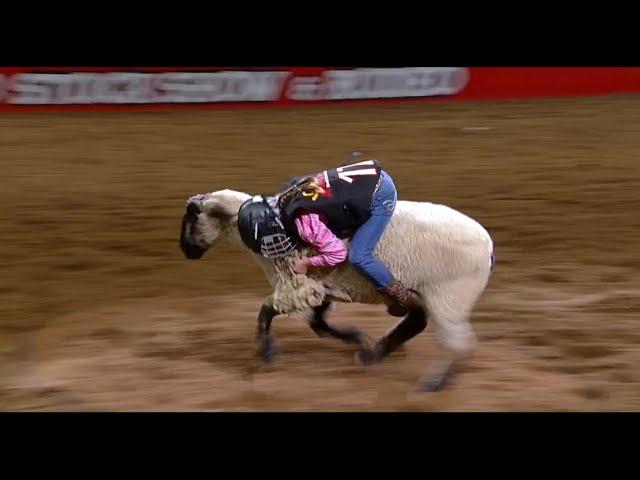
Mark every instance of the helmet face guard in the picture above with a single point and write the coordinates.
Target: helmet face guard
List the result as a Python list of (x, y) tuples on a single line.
[(262, 231), (277, 245)]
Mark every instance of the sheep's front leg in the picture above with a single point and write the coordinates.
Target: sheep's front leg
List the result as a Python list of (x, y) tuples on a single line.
[(410, 326), (266, 346), (321, 328)]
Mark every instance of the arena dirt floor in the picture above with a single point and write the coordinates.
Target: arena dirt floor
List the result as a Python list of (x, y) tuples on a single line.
[(100, 311)]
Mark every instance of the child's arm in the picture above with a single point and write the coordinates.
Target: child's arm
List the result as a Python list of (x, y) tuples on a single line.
[(312, 230)]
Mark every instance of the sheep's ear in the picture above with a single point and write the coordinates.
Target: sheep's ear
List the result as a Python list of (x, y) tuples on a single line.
[(219, 208), (355, 157)]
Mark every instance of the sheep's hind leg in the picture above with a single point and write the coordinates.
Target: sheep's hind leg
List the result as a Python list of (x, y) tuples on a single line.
[(410, 326), (323, 329), (445, 370), (452, 321)]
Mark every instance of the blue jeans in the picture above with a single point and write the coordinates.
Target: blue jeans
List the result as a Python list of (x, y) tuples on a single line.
[(367, 236)]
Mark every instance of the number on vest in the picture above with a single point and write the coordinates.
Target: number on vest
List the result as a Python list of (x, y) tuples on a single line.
[(351, 172)]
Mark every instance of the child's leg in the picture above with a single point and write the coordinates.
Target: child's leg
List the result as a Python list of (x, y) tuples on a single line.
[(368, 235), (362, 257)]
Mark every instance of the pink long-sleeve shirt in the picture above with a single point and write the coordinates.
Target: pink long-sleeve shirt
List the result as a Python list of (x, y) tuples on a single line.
[(314, 231)]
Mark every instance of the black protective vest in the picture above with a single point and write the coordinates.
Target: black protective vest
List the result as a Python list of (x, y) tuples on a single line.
[(346, 200)]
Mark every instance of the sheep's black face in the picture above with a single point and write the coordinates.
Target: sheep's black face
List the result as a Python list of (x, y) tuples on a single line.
[(206, 218), (190, 234)]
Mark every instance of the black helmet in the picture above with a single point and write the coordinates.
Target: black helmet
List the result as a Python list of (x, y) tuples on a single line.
[(262, 231)]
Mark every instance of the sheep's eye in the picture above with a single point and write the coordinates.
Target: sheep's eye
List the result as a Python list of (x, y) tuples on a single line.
[(193, 209)]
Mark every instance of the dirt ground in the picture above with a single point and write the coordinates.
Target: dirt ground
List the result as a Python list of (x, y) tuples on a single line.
[(100, 311)]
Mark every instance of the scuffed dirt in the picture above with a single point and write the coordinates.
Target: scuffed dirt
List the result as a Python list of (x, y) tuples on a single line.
[(100, 311)]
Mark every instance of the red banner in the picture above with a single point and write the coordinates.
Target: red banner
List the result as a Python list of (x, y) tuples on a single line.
[(151, 88)]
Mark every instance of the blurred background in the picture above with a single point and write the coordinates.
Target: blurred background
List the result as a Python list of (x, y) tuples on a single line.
[(100, 310)]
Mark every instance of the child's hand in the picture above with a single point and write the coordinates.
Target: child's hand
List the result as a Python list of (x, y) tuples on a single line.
[(300, 266)]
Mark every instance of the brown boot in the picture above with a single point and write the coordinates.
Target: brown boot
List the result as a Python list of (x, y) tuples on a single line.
[(403, 299)]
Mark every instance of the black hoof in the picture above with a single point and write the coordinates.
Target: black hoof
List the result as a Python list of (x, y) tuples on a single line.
[(434, 383), (368, 356), (267, 351), (437, 381), (365, 357)]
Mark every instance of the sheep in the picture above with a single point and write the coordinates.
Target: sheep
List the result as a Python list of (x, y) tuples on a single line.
[(442, 254)]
